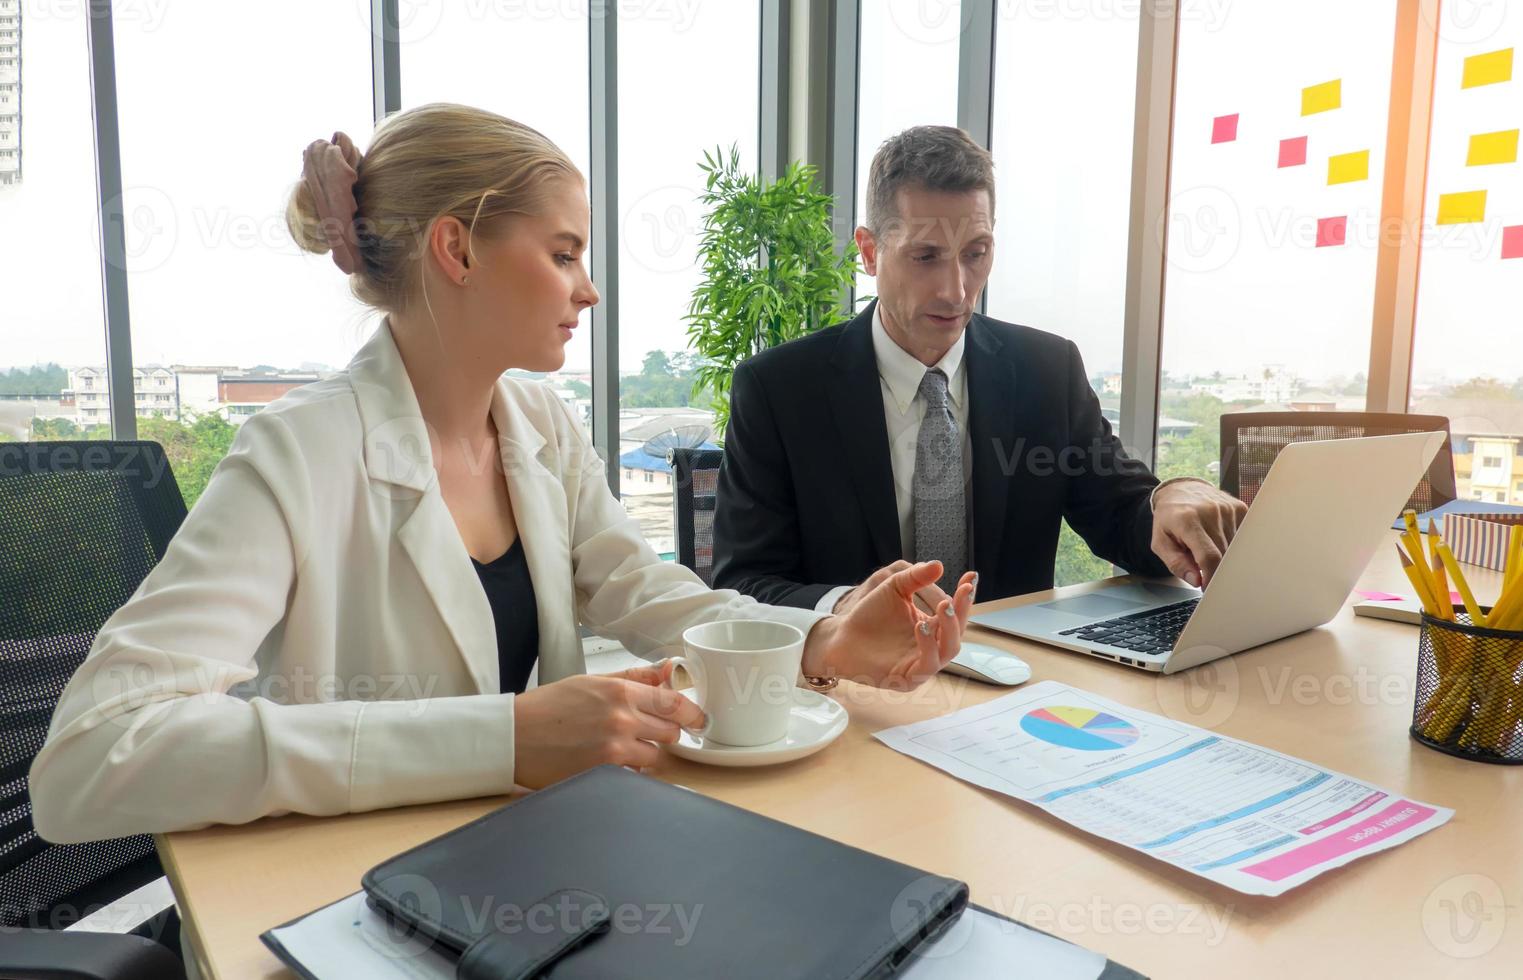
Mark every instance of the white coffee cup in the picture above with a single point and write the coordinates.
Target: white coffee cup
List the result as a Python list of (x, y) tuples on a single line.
[(744, 673)]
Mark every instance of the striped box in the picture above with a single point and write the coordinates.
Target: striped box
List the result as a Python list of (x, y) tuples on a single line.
[(1480, 539)]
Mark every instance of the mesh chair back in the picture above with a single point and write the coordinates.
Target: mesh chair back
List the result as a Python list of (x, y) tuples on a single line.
[(1252, 440), (81, 524), (695, 473)]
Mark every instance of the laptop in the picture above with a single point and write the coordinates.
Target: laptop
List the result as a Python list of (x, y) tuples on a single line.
[(1317, 520)]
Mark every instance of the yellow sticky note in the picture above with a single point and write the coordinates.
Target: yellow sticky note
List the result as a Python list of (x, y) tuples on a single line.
[(1344, 168), (1462, 208), (1488, 69), (1487, 148), (1321, 98)]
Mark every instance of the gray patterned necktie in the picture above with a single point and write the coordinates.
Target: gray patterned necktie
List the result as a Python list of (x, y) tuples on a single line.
[(941, 530)]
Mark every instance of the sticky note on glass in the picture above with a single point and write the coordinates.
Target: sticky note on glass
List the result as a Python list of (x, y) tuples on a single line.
[(1332, 231), (1344, 168), (1489, 148), (1487, 69), (1321, 98), (1224, 129), (1293, 152), (1462, 208), (1512, 242)]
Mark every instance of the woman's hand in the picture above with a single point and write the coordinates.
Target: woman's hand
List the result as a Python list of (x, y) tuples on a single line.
[(884, 640), (562, 728)]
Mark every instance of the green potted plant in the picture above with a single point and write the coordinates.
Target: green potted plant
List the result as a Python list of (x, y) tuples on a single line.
[(771, 269)]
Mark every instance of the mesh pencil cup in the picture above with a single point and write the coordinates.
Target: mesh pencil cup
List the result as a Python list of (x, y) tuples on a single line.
[(1469, 691)]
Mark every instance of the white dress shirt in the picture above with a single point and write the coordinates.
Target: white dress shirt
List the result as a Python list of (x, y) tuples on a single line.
[(899, 377)]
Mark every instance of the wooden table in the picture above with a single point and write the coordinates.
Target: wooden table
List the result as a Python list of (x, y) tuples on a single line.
[(1444, 905)]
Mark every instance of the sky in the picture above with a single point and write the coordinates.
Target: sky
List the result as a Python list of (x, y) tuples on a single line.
[(216, 106)]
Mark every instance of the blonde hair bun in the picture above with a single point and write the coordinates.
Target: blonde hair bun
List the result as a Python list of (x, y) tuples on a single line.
[(436, 160)]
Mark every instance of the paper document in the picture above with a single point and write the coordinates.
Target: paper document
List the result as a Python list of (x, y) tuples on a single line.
[(1236, 813), (350, 939)]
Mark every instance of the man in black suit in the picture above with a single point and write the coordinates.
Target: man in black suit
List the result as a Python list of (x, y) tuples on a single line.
[(921, 430)]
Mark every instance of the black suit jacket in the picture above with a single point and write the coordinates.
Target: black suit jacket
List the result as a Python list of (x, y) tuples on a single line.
[(806, 492)]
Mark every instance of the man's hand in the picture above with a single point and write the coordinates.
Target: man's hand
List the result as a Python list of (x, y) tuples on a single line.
[(1193, 522)]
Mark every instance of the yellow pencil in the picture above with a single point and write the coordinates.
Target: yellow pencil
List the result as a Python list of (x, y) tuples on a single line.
[(1412, 534), (1506, 608), (1507, 612), (1477, 617), (1424, 595), (1513, 623), (1441, 587), (1415, 548)]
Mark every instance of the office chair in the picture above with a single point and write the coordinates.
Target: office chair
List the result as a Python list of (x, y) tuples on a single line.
[(695, 473), (81, 524), (1252, 440)]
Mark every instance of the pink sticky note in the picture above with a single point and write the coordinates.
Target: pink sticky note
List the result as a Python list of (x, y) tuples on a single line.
[(1456, 598), (1224, 129), (1512, 242), (1293, 152), (1332, 231), (1378, 596)]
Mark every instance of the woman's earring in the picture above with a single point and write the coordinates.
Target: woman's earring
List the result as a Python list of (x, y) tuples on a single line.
[(465, 280)]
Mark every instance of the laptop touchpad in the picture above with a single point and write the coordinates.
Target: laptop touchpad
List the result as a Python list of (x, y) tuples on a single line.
[(1095, 606)]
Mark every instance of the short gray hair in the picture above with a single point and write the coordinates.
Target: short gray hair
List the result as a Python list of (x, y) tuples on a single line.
[(937, 158)]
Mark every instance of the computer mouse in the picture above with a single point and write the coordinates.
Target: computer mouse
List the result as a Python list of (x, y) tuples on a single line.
[(990, 665)]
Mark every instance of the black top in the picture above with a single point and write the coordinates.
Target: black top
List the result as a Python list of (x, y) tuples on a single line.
[(510, 592), (806, 497)]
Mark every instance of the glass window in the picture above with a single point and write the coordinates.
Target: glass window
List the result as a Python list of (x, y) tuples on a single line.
[(218, 290), (1279, 146), (907, 76), (666, 123), (528, 62), (1467, 363), (1063, 166), (52, 330)]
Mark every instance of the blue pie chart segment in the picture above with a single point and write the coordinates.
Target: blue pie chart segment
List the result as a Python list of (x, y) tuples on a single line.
[(1084, 729)]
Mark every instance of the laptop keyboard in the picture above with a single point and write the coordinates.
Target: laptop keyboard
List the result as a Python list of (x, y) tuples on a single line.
[(1154, 631)]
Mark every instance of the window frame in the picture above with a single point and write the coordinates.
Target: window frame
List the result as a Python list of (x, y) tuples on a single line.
[(1410, 105), (817, 80)]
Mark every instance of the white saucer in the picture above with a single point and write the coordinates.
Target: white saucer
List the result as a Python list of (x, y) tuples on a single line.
[(815, 722)]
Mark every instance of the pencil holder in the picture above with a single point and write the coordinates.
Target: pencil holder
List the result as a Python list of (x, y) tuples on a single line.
[(1469, 693)]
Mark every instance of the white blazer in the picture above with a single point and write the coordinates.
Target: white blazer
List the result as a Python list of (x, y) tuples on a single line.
[(316, 639)]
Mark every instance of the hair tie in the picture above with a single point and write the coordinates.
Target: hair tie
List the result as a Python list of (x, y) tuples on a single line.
[(330, 170)]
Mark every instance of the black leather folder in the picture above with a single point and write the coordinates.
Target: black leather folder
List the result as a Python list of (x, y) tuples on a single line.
[(610, 874)]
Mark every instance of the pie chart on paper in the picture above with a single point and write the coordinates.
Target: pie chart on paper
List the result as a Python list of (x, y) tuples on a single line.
[(1079, 728)]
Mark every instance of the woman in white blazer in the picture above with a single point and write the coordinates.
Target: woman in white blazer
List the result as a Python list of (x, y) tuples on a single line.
[(318, 637)]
